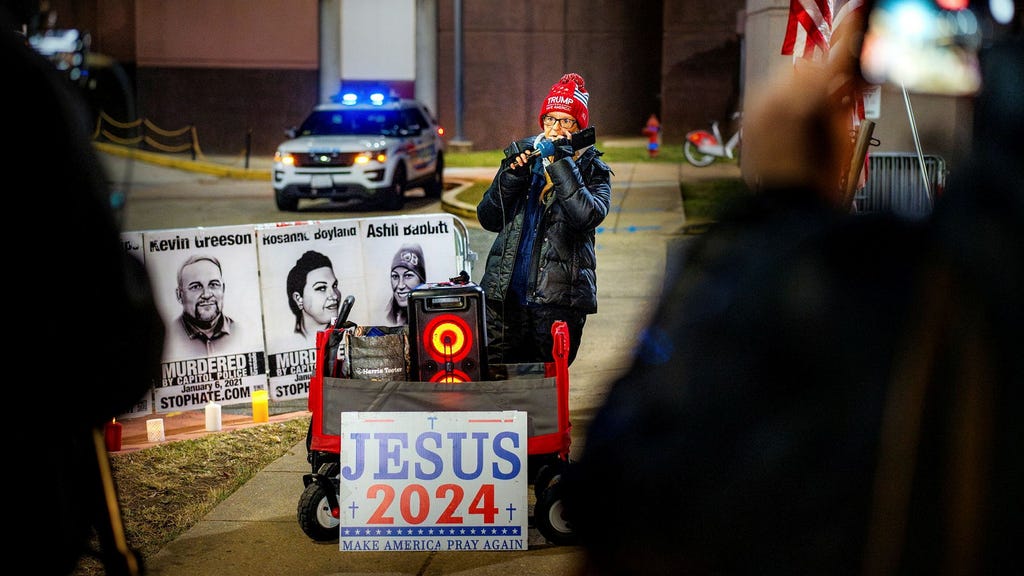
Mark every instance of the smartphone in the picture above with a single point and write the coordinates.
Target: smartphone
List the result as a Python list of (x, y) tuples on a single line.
[(923, 47)]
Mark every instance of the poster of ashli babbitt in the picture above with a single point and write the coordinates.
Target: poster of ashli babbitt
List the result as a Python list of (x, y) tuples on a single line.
[(399, 254), (206, 286), (307, 269)]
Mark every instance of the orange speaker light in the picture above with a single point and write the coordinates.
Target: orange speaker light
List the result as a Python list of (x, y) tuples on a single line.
[(451, 377), (450, 338)]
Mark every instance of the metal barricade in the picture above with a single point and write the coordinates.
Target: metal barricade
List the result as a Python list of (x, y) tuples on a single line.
[(894, 184)]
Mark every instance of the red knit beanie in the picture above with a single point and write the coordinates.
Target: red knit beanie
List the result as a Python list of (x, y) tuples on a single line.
[(568, 95)]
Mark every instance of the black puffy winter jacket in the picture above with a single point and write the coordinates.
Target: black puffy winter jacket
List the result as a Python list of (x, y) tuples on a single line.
[(563, 267)]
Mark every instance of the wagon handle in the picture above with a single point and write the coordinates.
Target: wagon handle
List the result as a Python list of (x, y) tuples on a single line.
[(560, 353)]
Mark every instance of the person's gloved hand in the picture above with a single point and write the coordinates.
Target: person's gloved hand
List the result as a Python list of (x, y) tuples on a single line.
[(512, 167), (563, 149), (509, 165)]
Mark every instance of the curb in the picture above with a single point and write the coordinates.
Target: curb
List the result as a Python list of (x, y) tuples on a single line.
[(451, 204), (203, 166)]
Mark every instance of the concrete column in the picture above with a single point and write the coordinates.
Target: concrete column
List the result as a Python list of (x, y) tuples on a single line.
[(330, 48), (426, 53)]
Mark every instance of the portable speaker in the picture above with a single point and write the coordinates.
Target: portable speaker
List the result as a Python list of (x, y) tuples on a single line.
[(448, 336)]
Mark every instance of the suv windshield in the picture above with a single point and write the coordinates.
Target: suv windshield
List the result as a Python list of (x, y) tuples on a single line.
[(357, 122)]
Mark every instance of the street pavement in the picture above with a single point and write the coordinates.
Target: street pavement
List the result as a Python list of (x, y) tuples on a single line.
[(256, 530)]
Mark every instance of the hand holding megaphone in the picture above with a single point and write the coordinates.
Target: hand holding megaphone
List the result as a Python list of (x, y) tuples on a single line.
[(515, 160), (546, 147)]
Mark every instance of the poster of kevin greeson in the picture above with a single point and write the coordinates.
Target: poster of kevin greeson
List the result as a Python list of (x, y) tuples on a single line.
[(307, 269), (206, 285)]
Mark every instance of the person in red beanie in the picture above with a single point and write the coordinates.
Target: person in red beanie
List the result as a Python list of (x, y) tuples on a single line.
[(545, 203)]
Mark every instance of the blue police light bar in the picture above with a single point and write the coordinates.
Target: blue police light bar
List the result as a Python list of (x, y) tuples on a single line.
[(373, 92)]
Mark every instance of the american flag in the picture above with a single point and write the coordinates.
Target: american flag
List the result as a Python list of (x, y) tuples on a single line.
[(808, 30), (819, 30), (817, 26)]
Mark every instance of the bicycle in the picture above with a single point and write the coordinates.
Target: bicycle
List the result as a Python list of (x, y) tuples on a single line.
[(702, 147)]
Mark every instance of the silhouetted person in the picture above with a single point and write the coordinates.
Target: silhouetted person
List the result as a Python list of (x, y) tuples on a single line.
[(826, 393), (96, 353)]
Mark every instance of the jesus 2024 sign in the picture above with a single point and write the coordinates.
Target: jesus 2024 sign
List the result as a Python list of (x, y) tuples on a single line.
[(416, 481)]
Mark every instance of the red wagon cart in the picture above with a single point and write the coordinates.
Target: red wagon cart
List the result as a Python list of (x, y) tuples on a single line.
[(541, 390)]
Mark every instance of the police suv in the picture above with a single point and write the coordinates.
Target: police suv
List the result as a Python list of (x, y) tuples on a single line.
[(369, 151)]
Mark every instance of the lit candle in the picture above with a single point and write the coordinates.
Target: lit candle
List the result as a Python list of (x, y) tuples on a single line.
[(213, 421), (155, 430), (112, 435), (260, 411)]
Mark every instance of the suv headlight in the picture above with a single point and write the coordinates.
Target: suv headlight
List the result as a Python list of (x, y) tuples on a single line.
[(368, 156), (283, 158)]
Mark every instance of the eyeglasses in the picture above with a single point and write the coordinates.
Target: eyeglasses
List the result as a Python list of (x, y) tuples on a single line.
[(566, 123)]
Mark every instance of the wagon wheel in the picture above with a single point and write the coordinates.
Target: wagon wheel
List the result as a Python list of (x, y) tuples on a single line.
[(548, 515), (316, 518)]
